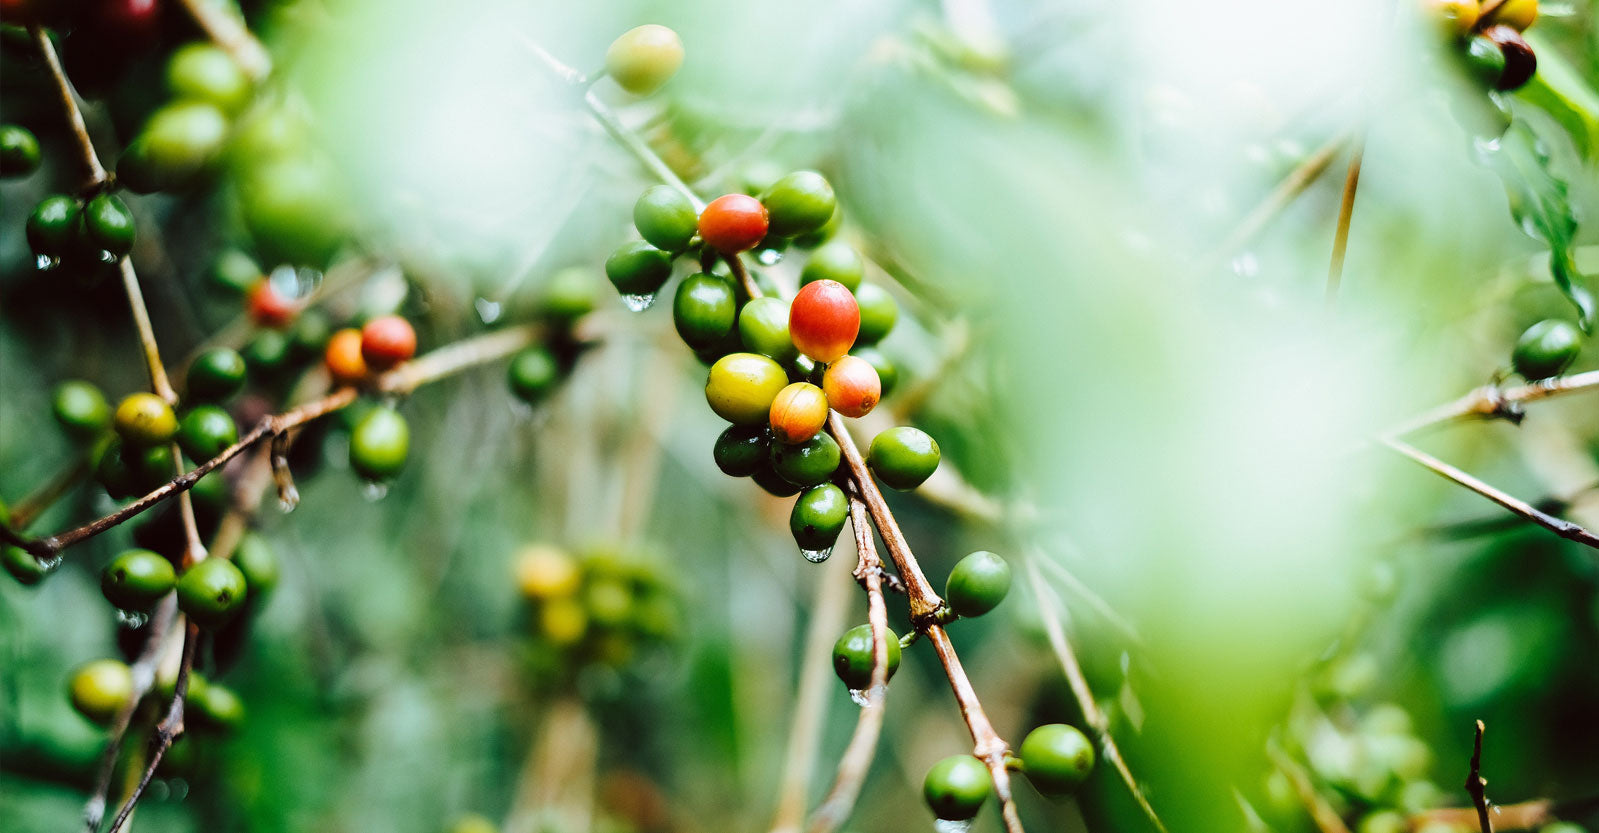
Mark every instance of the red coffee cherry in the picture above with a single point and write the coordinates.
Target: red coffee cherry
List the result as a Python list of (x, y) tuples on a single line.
[(268, 308), (387, 341), (733, 223), (823, 320)]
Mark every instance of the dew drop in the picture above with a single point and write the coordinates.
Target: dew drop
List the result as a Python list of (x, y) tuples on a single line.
[(952, 825), (639, 302), (132, 619), (768, 257), (859, 697), (374, 491), (52, 562), (294, 284), (488, 311), (816, 556), (46, 262)]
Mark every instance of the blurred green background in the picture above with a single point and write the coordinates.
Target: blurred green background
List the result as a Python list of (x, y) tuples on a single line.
[(1181, 427)]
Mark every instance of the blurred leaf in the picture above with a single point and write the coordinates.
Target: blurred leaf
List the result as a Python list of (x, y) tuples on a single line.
[(1560, 91)]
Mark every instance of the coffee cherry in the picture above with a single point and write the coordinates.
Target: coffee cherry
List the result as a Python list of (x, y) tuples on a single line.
[(887, 371), (568, 295), (834, 261), (215, 375), (310, 333), (137, 579), (978, 584), (1521, 63), (22, 566), (270, 308), (109, 224), (1453, 18), (112, 472), (798, 413), (808, 463), (665, 218), (798, 203), (763, 328), (256, 559), (1517, 14), (387, 341), (234, 271), (741, 387), (643, 59), (144, 419), (544, 572), (903, 458), (704, 310), (101, 689), (638, 269), (53, 227), (852, 386), (203, 72), (1057, 758), (177, 144), (294, 210), (743, 450), (879, 312), (733, 223), (149, 467), (205, 431), (823, 320), (266, 354), (19, 151), (768, 479), (218, 706), (212, 592), (956, 787), (81, 409), (852, 656), (818, 517), (343, 359), (1546, 349), (532, 374), (380, 444)]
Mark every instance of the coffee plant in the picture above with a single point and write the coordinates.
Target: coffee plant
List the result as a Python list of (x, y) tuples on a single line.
[(341, 494)]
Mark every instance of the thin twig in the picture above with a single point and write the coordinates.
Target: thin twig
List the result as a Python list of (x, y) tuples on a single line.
[(815, 687), (1476, 785), (1078, 682), (1346, 211), (93, 172), (987, 745), (1292, 185), (229, 33), (634, 145), (1321, 811), (1564, 528), (168, 729), (834, 810), (736, 264), (1492, 401)]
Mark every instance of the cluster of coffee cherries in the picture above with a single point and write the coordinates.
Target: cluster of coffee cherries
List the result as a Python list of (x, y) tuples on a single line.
[(1490, 42), (597, 608), (777, 368)]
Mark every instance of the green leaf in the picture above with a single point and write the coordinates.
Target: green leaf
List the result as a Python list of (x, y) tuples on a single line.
[(1562, 92), (1540, 206)]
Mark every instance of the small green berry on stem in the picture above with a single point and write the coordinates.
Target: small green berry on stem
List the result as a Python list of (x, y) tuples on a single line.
[(799, 203), (743, 450), (109, 224), (704, 310), (638, 270), (956, 787), (19, 151), (101, 689), (665, 218), (81, 409), (144, 419), (808, 463), (903, 457), (137, 579), (1546, 349), (978, 584), (818, 517), (741, 387), (215, 375), (256, 559), (879, 313), (380, 444), (1056, 758), (203, 72), (763, 328), (53, 227), (852, 656), (532, 374), (212, 592), (205, 431), (834, 261), (644, 58)]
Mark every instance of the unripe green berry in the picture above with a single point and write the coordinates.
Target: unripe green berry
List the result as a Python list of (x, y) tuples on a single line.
[(818, 517), (109, 224), (54, 227), (956, 787), (808, 463), (638, 269), (978, 584), (101, 689), (144, 419), (137, 579), (643, 59), (798, 203), (852, 656), (206, 431), (704, 310), (215, 375), (879, 312), (1546, 349), (81, 409), (903, 458), (212, 592), (763, 328), (532, 374), (1057, 758), (834, 261), (380, 444), (743, 450), (19, 151), (665, 218)]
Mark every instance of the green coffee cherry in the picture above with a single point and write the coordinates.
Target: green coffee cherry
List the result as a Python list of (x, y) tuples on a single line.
[(741, 387), (109, 224), (638, 270), (112, 472), (212, 592), (144, 419), (218, 706), (978, 584), (532, 374), (81, 409), (852, 656), (1485, 61), (903, 458), (743, 450), (234, 271), (177, 144), (215, 375), (101, 689), (149, 467), (879, 312), (763, 329), (1546, 349), (818, 517), (22, 566), (808, 463), (137, 579), (666, 218), (206, 431), (203, 72), (704, 310), (643, 59), (956, 787), (799, 203), (19, 151), (53, 229), (567, 295), (267, 354), (834, 261), (1057, 758), (380, 444), (774, 485), (294, 211), (258, 562)]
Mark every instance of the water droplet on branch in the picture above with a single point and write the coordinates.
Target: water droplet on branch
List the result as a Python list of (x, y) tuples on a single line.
[(816, 556)]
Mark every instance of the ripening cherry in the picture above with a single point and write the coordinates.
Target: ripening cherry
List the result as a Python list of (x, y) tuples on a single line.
[(270, 308), (733, 223), (343, 357), (852, 386), (823, 320), (798, 413), (387, 341)]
